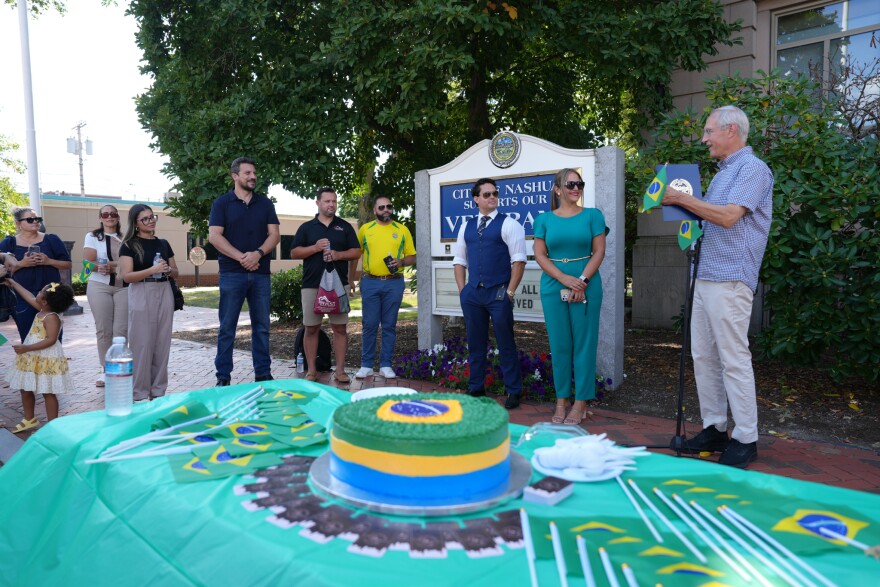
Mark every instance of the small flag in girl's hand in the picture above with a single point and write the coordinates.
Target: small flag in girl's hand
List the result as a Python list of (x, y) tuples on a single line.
[(88, 269), (654, 193), (3, 339)]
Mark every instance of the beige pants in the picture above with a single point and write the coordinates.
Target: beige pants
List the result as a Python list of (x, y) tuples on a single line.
[(722, 359), (150, 319), (109, 305)]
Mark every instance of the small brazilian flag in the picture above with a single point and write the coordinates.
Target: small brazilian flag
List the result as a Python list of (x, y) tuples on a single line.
[(688, 233), (88, 269), (654, 193)]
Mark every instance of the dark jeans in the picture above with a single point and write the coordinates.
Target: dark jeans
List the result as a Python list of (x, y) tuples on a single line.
[(235, 288)]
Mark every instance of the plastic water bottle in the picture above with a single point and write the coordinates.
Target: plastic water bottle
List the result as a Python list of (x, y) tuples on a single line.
[(300, 363), (118, 366), (156, 260), (102, 263)]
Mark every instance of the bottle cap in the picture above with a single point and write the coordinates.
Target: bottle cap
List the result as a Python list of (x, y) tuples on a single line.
[(118, 340)]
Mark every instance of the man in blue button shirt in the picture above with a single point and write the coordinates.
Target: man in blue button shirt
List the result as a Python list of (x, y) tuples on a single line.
[(491, 250), (737, 213), (244, 229)]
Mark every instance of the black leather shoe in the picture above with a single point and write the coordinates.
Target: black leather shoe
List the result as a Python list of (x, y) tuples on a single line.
[(739, 455), (222, 383), (512, 401), (708, 440), (477, 392), (264, 378)]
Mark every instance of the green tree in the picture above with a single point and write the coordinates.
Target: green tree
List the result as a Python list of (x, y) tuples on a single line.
[(9, 197), (820, 267), (316, 91)]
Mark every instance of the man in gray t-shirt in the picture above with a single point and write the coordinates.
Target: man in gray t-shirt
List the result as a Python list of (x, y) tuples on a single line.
[(736, 222)]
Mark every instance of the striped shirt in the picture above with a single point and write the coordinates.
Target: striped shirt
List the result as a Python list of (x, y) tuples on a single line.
[(735, 253)]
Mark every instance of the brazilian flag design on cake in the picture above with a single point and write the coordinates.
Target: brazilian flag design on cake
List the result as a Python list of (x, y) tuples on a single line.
[(425, 449)]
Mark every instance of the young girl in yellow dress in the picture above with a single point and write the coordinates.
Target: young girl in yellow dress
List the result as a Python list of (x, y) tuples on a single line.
[(41, 366)]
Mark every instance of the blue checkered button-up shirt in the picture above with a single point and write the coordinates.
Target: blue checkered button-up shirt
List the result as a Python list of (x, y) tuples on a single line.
[(735, 253)]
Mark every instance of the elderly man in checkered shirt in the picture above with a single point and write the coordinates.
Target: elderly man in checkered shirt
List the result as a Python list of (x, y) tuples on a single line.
[(737, 214)]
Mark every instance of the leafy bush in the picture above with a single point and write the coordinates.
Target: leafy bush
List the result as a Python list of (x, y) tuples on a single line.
[(820, 268), (78, 285), (286, 302), (447, 365)]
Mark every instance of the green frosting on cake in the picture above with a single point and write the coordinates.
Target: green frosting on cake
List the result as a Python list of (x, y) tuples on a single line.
[(483, 426)]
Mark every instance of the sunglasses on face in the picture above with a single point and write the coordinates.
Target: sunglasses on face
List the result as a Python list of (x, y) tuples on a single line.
[(32, 220), (490, 194), (388, 207), (574, 184), (106, 215), (148, 219)]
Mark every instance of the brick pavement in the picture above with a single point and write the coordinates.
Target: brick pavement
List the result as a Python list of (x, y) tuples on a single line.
[(192, 367)]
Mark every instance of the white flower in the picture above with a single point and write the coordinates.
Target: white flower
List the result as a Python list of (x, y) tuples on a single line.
[(433, 373), (538, 374), (438, 348), (495, 351)]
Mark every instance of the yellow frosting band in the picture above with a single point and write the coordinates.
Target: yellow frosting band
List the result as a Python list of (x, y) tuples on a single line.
[(426, 466)]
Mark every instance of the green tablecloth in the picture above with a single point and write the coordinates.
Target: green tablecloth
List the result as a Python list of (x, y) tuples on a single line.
[(63, 522)]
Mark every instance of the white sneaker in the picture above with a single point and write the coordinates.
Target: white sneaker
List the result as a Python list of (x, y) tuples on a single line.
[(387, 373), (363, 372), (100, 381)]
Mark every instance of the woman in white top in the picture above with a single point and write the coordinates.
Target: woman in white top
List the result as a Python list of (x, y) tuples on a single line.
[(107, 298)]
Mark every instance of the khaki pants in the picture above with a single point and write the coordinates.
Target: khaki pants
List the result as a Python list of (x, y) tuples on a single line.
[(150, 319), (109, 305)]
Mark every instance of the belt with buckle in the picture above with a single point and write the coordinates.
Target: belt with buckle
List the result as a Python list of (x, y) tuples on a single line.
[(156, 279), (383, 277)]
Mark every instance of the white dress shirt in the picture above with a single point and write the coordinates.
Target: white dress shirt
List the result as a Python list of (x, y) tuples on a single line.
[(512, 233)]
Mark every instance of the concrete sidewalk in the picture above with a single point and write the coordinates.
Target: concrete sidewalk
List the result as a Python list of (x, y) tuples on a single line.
[(192, 367)]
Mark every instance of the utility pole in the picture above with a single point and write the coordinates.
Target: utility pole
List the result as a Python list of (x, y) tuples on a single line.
[(33, 173), (75, 147)]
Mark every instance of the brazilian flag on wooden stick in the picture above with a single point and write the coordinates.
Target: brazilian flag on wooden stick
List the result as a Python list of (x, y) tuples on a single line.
[(688, 233), (88, 269), (654, 193)]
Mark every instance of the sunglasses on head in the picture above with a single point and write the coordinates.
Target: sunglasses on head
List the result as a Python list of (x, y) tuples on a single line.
[(385, 207), (490, 194), (106, 215), (32, 220), (574, 184)]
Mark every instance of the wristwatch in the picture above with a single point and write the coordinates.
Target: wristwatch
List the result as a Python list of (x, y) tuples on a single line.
[(511, 293), (262, 254), (586, 280)]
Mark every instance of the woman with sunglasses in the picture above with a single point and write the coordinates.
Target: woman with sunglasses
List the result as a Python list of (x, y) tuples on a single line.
[(41, 258), (145, 263), (108, 299), (569, 247)]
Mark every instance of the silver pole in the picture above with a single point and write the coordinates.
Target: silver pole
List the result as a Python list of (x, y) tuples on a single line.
[(31, 134)]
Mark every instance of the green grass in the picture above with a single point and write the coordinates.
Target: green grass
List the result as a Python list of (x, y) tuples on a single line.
[(209, 297)]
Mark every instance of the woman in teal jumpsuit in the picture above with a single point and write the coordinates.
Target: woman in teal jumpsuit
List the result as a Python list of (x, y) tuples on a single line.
[(569, 247)]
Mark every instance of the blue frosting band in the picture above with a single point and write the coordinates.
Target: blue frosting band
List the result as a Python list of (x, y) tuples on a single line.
[(445, 489)]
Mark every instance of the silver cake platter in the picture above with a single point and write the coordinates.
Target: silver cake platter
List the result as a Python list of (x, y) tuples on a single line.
[(323, 481)]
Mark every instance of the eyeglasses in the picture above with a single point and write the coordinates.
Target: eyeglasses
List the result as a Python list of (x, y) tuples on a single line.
[(148, 219), (106, 215), (574, 184), (32, 219), (388, 207), (708, 131), (490, 194)]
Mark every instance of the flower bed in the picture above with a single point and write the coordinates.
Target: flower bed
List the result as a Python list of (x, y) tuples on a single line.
[(447, 365)]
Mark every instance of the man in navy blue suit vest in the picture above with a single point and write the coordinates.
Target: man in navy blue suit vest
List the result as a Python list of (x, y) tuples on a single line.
[(490, 257)]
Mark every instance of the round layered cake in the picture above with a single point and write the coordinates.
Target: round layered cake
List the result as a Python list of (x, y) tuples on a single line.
[(425, 449)]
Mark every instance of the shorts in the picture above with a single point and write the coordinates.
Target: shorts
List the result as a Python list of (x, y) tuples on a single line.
[(308, 304)]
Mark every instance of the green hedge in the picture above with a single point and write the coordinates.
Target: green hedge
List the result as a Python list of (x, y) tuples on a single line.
[(286, 301), (821, 265)]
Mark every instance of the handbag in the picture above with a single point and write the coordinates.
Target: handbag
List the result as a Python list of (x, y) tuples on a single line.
[(331, 298), (178, 295)]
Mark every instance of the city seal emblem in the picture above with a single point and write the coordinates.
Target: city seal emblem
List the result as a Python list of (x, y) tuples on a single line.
[(504, 150)]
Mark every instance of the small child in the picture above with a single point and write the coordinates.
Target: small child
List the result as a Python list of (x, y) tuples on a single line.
[(41, 365)]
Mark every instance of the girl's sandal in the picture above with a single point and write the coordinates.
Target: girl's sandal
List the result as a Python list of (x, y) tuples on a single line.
[(557, 418), (25, 425)]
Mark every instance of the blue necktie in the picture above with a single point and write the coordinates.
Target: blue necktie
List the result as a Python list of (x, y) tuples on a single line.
[(483, 221)]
